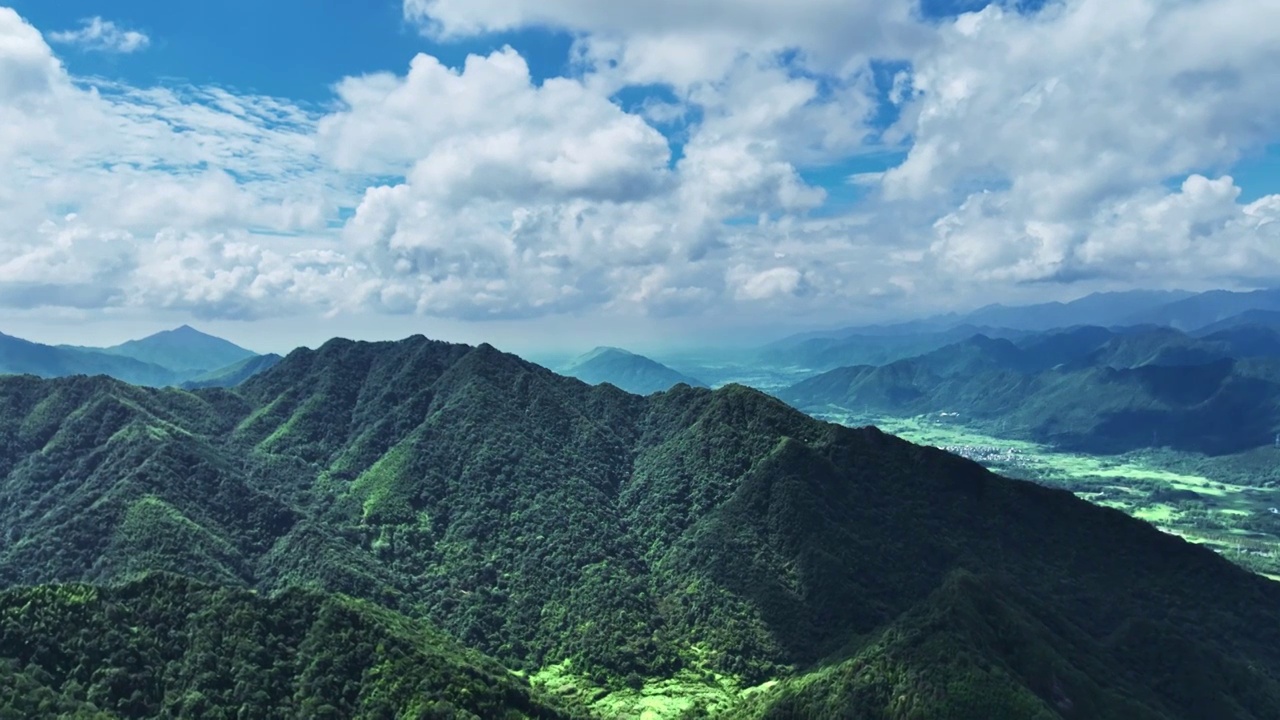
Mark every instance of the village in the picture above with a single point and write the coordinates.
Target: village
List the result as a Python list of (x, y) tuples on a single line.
[(990, 455)]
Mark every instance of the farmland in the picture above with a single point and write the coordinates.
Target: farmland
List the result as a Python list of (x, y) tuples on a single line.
[(1228, 503)]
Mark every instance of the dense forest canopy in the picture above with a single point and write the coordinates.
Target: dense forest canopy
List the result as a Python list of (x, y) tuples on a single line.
[(538, 520)]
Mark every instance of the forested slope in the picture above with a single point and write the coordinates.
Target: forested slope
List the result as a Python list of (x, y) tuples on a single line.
[(165, 646), (1133, 391), (538, 519)]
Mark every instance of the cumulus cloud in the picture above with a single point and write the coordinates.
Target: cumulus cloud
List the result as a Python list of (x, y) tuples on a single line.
[(103, 36), (487, 131), (1086, 144), (1051, 136), (148, 198)]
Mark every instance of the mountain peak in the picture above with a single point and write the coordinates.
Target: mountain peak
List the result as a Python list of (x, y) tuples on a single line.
[(624, 369), (183, 349)]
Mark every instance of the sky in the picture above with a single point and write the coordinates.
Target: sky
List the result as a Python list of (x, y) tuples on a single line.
[(546, 174)]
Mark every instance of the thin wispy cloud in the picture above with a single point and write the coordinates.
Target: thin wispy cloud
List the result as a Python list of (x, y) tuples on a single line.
[(101, 35)]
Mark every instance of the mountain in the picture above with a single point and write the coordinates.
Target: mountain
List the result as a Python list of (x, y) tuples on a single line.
[(1084, 389), (821, 354), (1247, 340), (180, 356), (233, 374), (184, 350), (1185, 311), (1264, 318), (629, 371), (166, 646), (1103, 308), (1208, 308), (640, 554), (23, 357)]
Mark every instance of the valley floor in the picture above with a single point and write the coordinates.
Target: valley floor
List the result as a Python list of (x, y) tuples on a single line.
[(1229, 503)]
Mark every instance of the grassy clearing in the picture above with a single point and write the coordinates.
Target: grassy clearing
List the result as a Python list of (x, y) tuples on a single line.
[(1199, 498), (656, 698)]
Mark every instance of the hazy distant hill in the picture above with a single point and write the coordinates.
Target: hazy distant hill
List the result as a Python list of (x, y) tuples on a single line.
[(1177, 309), (18, 357), (627, 370), (539, 519), (1207, 308), (1099, 391), (1109, 308), (1104, 309), (172, 357), (183, 350), (821, 354), (235, 373), (1261, 318)]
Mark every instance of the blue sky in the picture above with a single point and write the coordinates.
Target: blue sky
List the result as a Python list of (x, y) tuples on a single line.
[(294, 48), (297, 49), (623, 172), (287, 48)]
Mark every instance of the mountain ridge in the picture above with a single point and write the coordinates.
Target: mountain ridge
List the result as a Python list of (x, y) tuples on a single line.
[(539, 520), (184, 350), (1129, 390)]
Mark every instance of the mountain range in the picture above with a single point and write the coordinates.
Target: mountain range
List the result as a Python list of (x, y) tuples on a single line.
[(881, 344), (415, 515), (1088, 388), (171, 357)]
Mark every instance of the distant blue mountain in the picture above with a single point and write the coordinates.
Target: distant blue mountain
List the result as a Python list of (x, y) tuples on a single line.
[(183, 350), (172, 357), (631, 372), (23, 357)]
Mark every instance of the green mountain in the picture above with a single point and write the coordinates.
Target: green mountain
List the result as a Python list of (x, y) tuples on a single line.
[(23, 357), (183, 350), (640, 554), (165, 646), (1156, 387), (233, 374), (627, 370)]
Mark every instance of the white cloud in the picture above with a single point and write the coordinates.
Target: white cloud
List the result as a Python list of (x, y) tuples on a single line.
[(103, 36), (488, 133), (1085, 145), (116, 196), (764, 285), (687, 41), (27, 67), (1051, 137)]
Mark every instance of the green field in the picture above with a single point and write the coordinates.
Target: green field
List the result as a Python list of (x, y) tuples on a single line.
[(1227, 503), (694, 691)]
